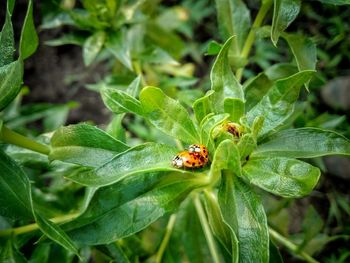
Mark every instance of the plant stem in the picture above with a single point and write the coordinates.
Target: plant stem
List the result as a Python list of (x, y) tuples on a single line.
[(33, 227), (207, 232), (165, 241), (291, 246), (251, 35), (15, 138), (138, 70)]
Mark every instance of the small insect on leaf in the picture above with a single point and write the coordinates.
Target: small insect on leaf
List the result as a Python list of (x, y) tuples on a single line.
[(195, 157)]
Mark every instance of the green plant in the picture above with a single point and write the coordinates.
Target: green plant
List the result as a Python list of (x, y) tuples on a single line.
[(129, 190)]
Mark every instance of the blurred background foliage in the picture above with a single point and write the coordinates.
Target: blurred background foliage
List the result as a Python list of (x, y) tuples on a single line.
[(87, 45)]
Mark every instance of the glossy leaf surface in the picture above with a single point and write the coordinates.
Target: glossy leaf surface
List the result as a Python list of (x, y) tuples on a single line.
[(29, 39), (120, 102), (243, 212), (304, 143), (168, 115), (233, 20), (203, 106), (15, 198), (282, 176), (143, 158), (7, 44), (304, 51), (223, 81), (226, 157), (207, 127), (285, 11), (55, 233), (278, 104), (221, 230), (10, 82), (127, 218), (92, 47), (246, 145), (85, 145), (255, 89), (234, 107)]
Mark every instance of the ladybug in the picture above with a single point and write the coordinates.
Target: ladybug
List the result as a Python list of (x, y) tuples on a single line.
[(187, 159), (195, 157), (234, 129), (200, 150)]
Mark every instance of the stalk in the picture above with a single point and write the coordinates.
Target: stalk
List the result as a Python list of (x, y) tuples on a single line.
[(207, 232), (291, 246), (32, 227), (251, 35), (15, 138), (166, 238)]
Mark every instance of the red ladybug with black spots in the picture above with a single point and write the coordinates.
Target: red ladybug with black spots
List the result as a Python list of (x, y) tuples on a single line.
[(195, 157)]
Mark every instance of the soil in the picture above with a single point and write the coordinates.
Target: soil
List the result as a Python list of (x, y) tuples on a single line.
[(57, 74)]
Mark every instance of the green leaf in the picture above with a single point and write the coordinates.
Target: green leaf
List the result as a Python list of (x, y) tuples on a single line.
[(243, 212), (124, 219), (117, 253), (220, 229), (41, 253), (233, 20), (223, 81), (278, 104), (167, 40), (11, 76), (234, 107), (112, 196), (7, 43), (207, 126), (304, 51), (335, 2), (143, 158), (53, 115), (213, 48), (246, 145), (92, 47), (303, 143), (57, 20), (226, 157), (282, 176), (188, 236), (11, 5), (120, 102), (85, 145), (67, 39), (15, 198), (257, 126), (55, 233), (9, 253), (275, 256), (284, 13), (312, 225), (86, 21), (29, 39), (118, 46), (168, 115), (281, 71), (255, 89), (202, 106)]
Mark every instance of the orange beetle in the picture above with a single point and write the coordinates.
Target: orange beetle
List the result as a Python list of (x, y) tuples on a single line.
[(201, 150), (195, 157)]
